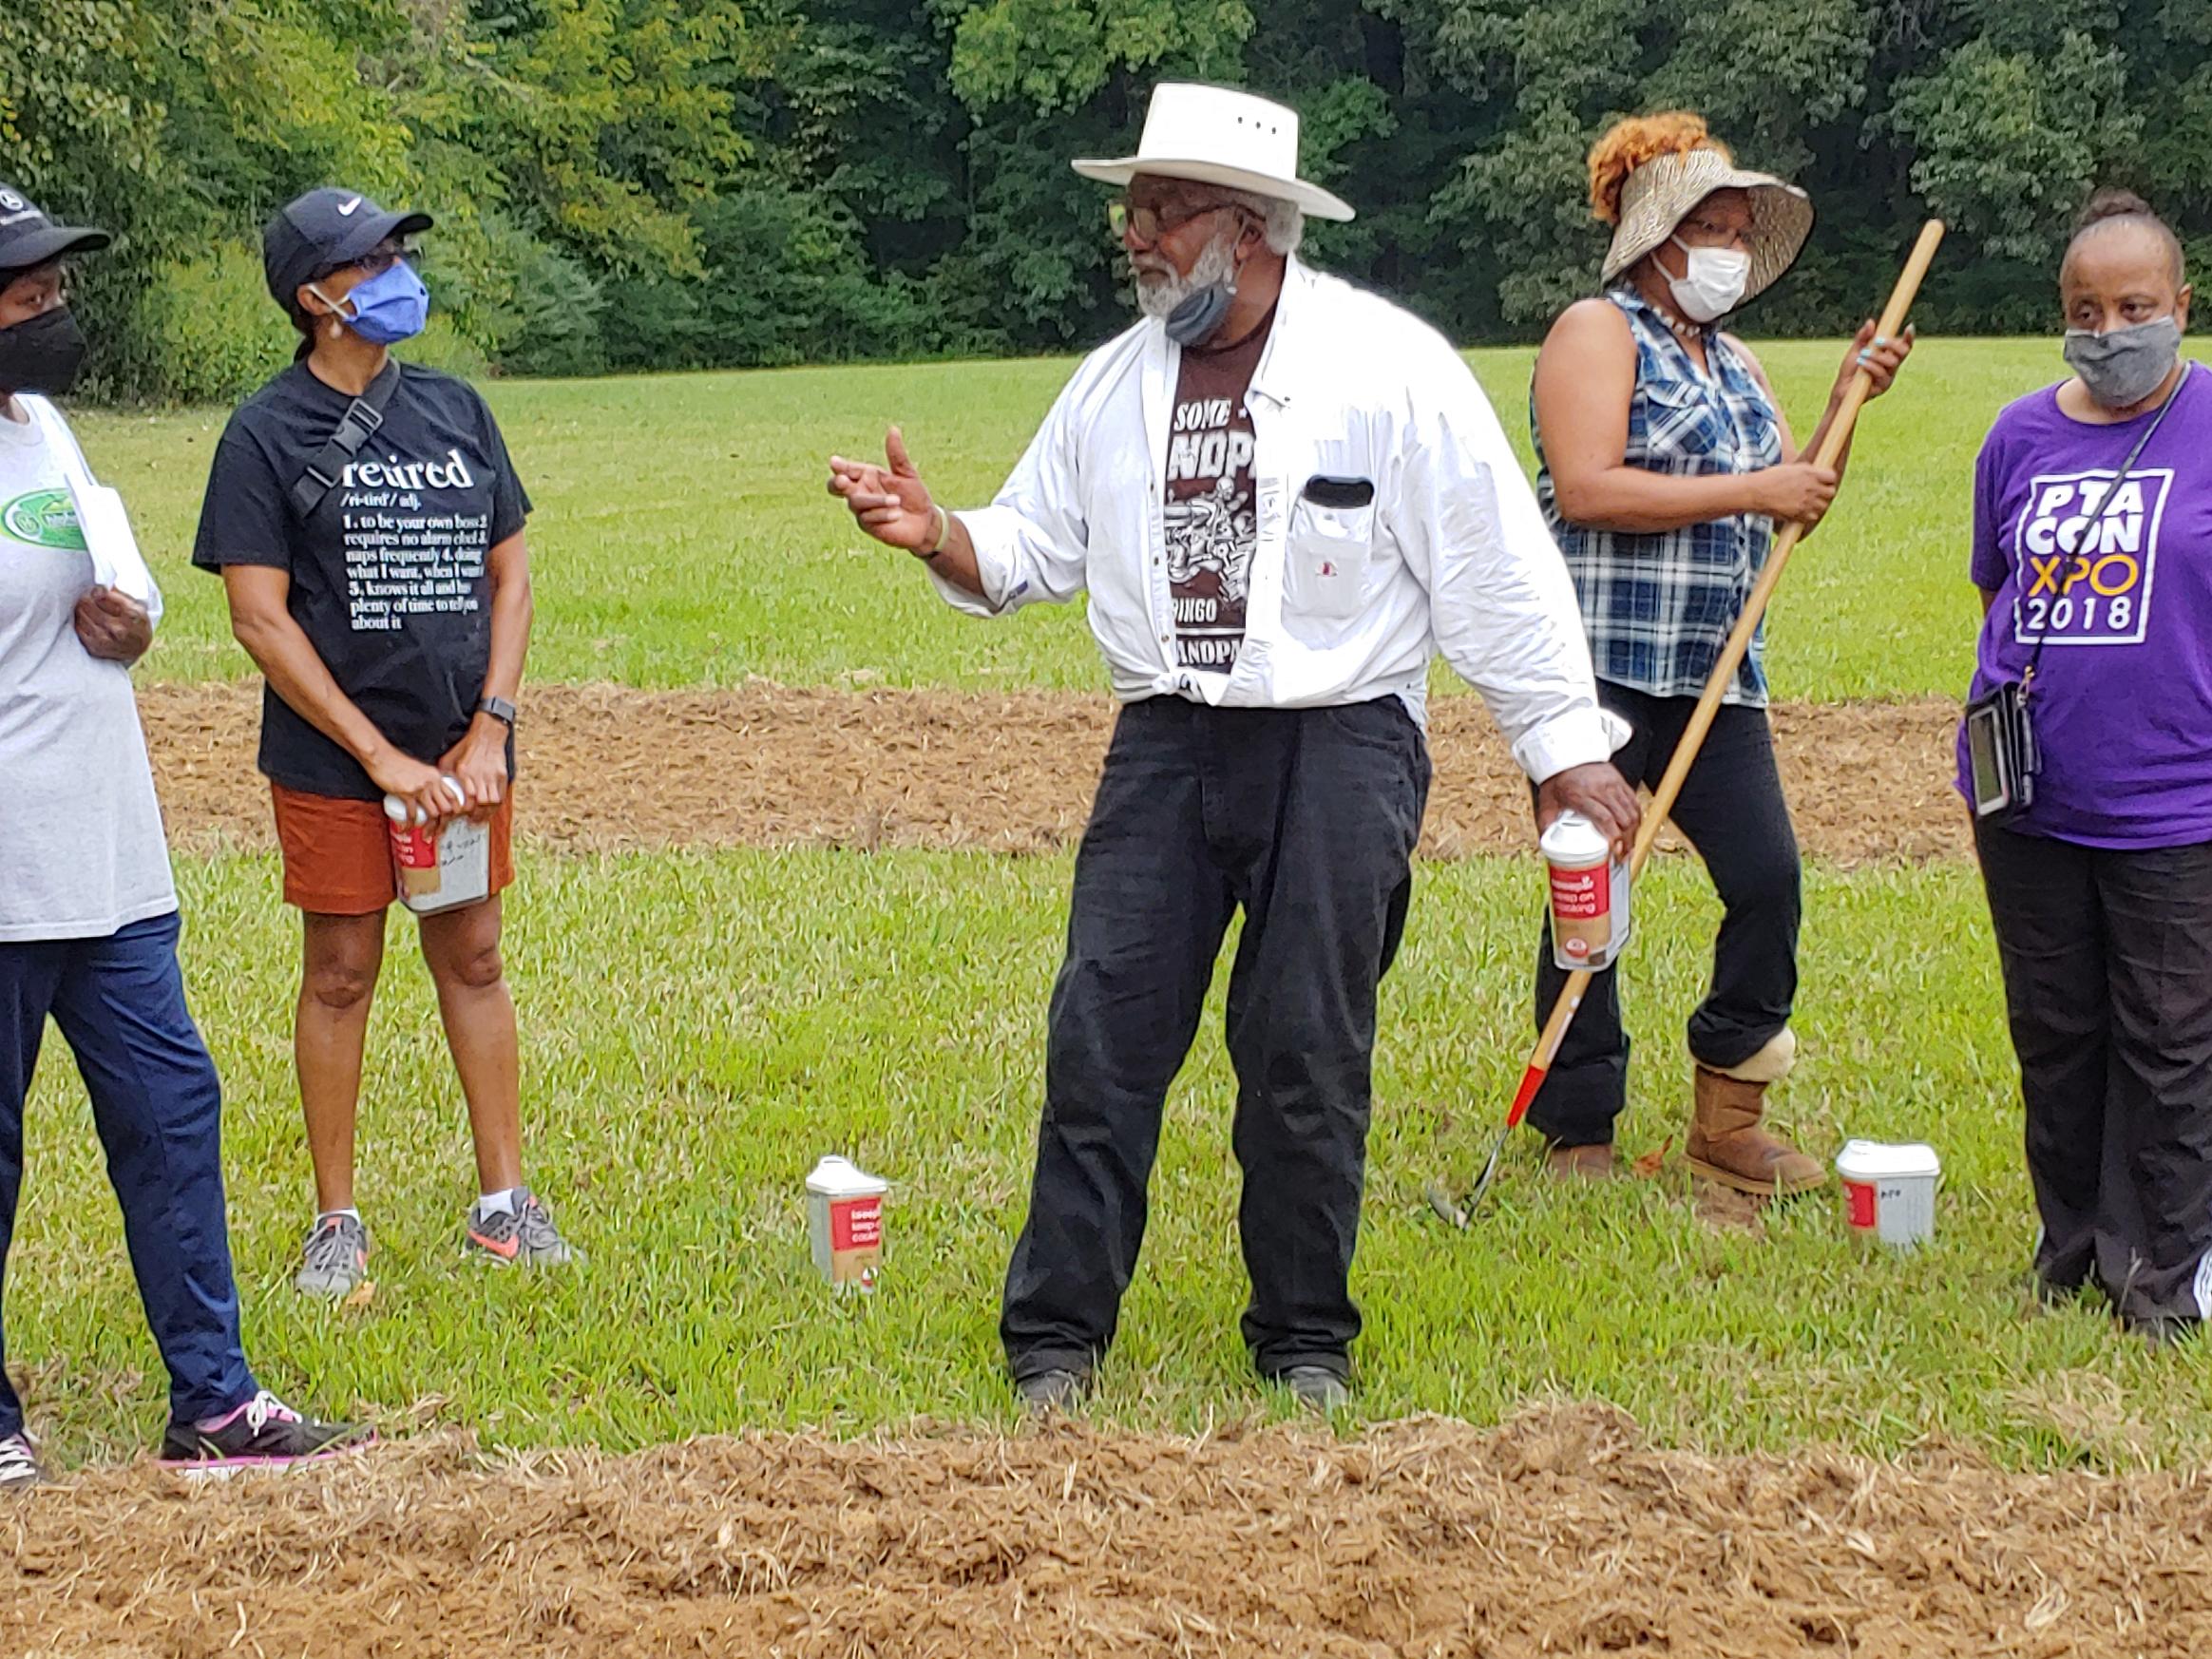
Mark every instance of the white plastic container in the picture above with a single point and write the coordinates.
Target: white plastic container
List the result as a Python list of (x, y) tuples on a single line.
[(438, 869), (1589, 894), (1889, 1192), (845, 1215)]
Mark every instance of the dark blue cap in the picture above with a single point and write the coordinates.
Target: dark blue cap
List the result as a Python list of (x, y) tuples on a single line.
[(29, 239), (318, 233)]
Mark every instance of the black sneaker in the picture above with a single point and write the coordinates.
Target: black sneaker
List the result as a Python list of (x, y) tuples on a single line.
[(262, 1434), (20, 1468), (2171, 1330)]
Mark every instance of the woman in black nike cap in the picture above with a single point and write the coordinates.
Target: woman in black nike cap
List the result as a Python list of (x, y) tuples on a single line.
[(88, 920), (368, 524)]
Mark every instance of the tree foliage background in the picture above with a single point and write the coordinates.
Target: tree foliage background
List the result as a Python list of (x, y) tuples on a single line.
[(688, 183)]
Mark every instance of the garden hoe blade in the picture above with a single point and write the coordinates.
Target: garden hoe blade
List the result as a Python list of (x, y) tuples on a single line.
[(1440, 1197)]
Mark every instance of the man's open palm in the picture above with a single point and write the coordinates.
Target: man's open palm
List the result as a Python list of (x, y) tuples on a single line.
[(892, 501)]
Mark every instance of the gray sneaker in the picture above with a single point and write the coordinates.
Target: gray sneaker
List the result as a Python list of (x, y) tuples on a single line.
[(1048, 1393), (335, 1257), (525, 1237), (1317, 1389), (20, 1468)]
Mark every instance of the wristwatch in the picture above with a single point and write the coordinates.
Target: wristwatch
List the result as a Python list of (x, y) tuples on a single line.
[(500, 709)]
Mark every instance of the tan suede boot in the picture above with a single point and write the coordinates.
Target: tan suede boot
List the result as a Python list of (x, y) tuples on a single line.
[(1727, 1145), (1583, 1163)]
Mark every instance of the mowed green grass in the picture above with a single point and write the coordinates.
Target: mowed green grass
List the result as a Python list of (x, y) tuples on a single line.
[(682, 535), (701, 1028)]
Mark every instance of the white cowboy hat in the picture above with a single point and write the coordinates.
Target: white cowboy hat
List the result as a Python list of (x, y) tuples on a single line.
[(1217, 135), (1658, 195)]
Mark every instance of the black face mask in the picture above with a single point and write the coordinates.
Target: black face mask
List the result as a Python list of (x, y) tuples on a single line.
[(43, 354)]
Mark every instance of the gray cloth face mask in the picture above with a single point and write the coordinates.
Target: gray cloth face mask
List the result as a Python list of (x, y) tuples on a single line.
[(1193, 321), (2124, 365)]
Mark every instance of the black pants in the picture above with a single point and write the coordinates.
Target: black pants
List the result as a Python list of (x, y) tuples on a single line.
[(2107, 963), (1732, 812), (1307, 819)]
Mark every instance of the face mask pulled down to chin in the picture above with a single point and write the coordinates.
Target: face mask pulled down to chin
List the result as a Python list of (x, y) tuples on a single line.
[(2124, 366), (1192, 308), (44, 355)]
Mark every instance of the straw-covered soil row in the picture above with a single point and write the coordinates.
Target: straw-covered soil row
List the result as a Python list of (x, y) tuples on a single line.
[(607, 768), (1560, 1533)]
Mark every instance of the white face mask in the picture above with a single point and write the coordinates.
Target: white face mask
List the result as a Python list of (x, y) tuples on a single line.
[(1714, 283)]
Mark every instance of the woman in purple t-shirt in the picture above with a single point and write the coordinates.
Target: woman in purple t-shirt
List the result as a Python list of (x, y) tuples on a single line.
[(2101, 889)]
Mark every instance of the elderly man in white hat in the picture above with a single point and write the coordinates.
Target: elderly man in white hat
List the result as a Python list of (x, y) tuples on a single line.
[(1284, 496)]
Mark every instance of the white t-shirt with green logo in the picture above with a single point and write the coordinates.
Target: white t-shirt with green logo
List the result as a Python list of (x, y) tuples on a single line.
[(82, 852)]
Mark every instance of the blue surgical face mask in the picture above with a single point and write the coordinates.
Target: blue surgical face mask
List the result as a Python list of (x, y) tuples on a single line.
[(389, 307)]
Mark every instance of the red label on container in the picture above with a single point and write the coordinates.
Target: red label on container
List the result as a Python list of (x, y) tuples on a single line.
[(856, 1224), (414, 847), (1581, 895), (1858, 1196)]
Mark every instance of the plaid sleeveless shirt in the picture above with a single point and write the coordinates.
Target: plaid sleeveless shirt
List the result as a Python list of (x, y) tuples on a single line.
[(1658, 606)]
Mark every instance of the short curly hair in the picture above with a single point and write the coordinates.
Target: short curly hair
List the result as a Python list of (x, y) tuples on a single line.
[(1628, 145)]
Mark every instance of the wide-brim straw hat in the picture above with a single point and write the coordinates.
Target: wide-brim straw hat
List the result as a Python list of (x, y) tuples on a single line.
[(1658, 195), (1219, 135)]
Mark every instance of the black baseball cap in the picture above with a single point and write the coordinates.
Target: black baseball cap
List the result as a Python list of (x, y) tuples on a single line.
[(29, 239), (324, 229)]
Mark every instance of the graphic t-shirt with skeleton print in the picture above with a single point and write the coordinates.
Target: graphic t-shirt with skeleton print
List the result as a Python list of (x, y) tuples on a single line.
[(1209, 503)]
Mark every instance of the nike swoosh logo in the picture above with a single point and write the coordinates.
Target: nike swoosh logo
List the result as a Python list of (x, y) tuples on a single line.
[(346, 208), (505, 1250)]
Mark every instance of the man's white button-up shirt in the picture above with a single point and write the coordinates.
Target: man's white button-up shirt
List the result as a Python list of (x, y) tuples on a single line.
[(1345, 602)]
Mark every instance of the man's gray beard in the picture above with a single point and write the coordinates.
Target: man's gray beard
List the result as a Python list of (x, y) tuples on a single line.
[(1216, 264)]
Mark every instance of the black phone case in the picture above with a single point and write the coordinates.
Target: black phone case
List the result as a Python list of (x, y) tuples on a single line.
[(1339, 493), (2005, 713)]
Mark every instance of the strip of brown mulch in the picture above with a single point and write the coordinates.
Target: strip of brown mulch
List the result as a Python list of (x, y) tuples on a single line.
[(607, 768), (1560, 1533)]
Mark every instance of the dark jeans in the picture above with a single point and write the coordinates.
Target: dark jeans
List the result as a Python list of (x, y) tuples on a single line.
[(2107, 963), (1307, 819), (1732, 812), (158, 1107)]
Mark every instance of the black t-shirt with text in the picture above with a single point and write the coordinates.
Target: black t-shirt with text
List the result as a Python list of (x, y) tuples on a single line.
[(390, 574)]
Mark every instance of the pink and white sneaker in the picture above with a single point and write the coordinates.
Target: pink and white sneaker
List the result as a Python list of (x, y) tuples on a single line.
[(20, 1468)]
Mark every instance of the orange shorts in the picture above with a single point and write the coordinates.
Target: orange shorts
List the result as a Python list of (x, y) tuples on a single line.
[(337, 853)]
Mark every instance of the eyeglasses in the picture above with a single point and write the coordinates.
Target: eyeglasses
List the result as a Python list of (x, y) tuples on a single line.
[(380, 261), (373, 264), (1151, 223)]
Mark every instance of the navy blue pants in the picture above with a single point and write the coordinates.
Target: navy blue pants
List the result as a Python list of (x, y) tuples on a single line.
[(1306, 819), (157, 1105)]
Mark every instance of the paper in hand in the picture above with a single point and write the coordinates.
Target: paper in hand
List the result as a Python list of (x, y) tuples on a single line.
[(116, 560)]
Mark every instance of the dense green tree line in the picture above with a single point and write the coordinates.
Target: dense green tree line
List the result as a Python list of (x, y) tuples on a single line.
[(684, 183)]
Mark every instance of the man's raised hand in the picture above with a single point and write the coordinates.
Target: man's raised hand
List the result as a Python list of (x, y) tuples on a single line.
[(890, 502)]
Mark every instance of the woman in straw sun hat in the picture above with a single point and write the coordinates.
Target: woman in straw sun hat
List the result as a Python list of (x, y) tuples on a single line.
[(1665, 463)]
